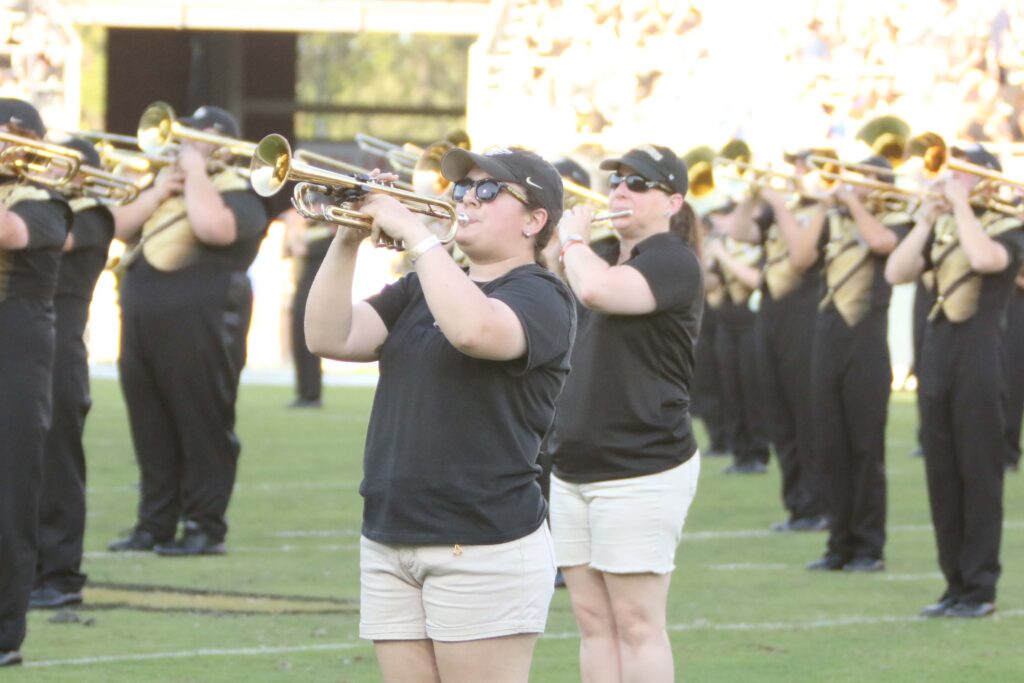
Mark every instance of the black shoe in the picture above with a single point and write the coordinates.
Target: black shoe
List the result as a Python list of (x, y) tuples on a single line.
[(193, 542), (306, 403), (139, 540), (827, 563), (48, 597), (559, 579), (746, 468), (971, 610), (864, 564), (939, 609), (819, 523), (10, 658)]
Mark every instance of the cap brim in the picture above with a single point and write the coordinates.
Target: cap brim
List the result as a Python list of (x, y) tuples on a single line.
[(638, 164), (457, 163)]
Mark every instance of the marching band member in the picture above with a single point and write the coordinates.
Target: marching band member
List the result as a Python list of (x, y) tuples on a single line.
[(974, 255), (59, 578), (307, 243), (1015, 373), (34, 224), (789, 306), (737, 263), (851, 375), (186, 303), (470, 366), (625, 458)]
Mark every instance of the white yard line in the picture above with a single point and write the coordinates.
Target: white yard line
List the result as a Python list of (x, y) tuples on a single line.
[(699, 625)]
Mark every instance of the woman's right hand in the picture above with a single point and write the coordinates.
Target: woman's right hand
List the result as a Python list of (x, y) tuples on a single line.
[(576, 222)]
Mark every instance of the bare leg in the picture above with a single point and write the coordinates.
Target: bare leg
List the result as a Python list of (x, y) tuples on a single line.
[(407, 661), (599, 641), (494, 660), (639, 603)]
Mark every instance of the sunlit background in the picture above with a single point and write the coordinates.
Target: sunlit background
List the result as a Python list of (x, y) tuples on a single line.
[(565, 77)]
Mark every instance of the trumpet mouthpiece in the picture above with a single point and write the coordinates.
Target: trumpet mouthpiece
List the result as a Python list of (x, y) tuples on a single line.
[(462, 218)]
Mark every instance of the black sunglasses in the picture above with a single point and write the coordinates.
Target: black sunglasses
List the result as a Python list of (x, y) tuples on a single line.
[(486, 189), (637, 183)]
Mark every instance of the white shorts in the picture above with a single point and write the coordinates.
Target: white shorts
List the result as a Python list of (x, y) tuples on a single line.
[(623, 526), (449, 593)]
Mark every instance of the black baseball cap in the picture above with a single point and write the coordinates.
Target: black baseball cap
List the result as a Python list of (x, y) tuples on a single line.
[(654, 163), (538, 177), (568, 168), (21, 114), (884, 167), (209, 116), (977, 155), (90, 157)]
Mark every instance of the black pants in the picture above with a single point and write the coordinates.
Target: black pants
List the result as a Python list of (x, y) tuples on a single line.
[(308, 370), (962, 398), (179, 375), (741, 393), (784, 335), (706, 387), (1014, 375), (923, 301), (62, 500), (851, 379), (26, 367)]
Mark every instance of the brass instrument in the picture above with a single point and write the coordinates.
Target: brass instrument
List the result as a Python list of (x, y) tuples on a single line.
[(758, 176), (108, 188), (273, 165), (324, 161), (159, 129), (37, 161), (887, 136), (936, 157), (834, 172), (138, 165)]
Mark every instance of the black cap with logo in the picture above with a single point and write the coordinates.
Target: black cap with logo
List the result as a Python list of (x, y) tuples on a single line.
[(21, 115), (538, 177), (219, 119), (654, 163)]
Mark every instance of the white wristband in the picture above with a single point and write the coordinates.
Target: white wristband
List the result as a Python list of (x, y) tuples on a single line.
[(422, 248)]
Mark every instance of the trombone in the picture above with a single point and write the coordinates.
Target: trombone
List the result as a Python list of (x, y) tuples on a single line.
[(106, 187), (327, 163), (159, 129), (273, 165), (936, 157), (37, 161), (835, 171)]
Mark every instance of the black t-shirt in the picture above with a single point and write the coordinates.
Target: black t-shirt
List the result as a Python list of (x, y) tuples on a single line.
[(80, 268), (625, 410), (452, 443), (144, 288), (32, 271)]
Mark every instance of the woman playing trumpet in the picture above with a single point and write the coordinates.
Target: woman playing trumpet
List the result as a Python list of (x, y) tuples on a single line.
[(625, 458), (470, 365), (973, 255)]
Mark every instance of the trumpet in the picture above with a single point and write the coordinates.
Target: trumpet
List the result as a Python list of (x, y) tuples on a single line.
[(324, 161), (40, 162), (159, 130), (273, 165)]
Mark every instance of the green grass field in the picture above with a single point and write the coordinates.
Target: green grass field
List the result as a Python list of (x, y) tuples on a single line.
[(283, 604)]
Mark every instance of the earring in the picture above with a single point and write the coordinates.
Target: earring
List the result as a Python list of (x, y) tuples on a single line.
[(527, 235), (668, 214)]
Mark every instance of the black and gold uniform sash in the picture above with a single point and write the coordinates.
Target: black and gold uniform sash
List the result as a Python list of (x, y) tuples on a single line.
[(168, 242), (849, 267), (748, 254), (79, 204), (11, 194), (779, 275), (956, 286)]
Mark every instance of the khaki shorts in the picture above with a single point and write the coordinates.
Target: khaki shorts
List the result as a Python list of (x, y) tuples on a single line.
[(410, 592), (623, 526)]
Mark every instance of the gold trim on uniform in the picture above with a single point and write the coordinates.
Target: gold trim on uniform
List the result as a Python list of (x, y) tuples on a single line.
[(956, 285), (169, 247), (747, 254), (79, 204)]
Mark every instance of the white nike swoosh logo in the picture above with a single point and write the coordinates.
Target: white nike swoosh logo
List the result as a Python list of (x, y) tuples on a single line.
[(529, 181)]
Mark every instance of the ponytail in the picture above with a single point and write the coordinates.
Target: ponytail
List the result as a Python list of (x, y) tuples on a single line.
[(685, 224)]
